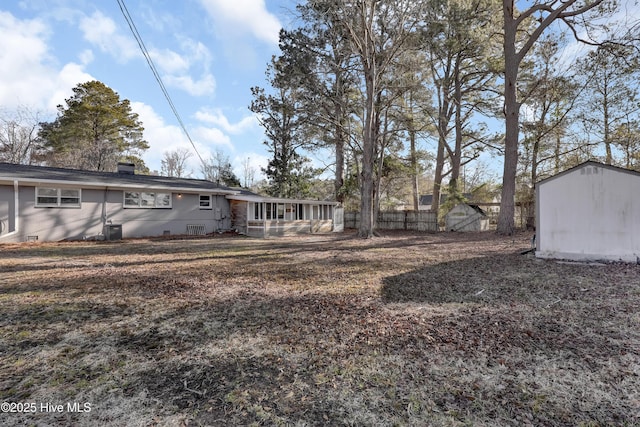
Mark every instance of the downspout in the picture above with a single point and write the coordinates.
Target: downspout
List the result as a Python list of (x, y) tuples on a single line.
[(16, 210), (104, 211)]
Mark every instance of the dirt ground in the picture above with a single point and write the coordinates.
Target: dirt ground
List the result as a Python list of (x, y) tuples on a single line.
[(403, 330)]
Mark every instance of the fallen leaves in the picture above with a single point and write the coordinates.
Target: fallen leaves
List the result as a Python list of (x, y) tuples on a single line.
[(446, 329)]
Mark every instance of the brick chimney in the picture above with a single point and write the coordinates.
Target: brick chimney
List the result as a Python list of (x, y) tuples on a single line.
[(126, 168)]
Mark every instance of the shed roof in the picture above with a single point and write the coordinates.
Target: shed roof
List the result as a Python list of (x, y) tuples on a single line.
[(589, 163), (43, 175), (427, 199), (476, 208)]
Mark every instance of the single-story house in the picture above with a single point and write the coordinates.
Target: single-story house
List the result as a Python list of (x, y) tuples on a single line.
[(589, 212), (50, 204), (466, 217)]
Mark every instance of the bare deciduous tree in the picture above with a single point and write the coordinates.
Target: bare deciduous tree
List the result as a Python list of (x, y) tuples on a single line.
[(19, 136), (218, 169), (248, 173), (539, 16), (174, 163)]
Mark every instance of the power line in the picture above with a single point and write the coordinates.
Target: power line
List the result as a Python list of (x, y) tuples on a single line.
[(145, 53)]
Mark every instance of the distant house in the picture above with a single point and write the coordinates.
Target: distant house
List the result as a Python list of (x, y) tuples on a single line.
[(589, 212), (466, 217), (426, 200), (50, 204)]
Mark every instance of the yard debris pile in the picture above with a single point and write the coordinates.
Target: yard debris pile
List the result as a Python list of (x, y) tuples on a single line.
[(441, 330)]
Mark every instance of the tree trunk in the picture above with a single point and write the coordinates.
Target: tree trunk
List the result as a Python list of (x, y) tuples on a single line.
[(443, 123), (339, 179), (511, 110), (414, 169), (437, 180), (607, 132), (368, 159), (457, 154), (556, 154), (339, 135)]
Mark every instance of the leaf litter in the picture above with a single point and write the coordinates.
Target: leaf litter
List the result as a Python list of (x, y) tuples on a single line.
[(429, 329)]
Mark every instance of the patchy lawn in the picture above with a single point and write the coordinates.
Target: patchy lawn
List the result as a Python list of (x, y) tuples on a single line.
[(438, 330)]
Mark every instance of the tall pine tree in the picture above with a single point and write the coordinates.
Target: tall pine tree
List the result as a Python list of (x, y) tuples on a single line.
[(94, 131)]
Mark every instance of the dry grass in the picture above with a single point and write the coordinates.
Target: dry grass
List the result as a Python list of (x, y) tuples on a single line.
[(440, 330)]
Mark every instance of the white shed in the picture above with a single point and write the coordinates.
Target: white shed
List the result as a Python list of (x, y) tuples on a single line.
[(465, 217), (589, 212)]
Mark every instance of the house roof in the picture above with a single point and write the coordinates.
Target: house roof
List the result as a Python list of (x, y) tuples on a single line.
[(476, 208), (589, 163), (41, 175), (249, 196), (427, 199)]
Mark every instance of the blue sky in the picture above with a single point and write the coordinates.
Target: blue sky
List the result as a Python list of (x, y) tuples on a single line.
[(209, 54)]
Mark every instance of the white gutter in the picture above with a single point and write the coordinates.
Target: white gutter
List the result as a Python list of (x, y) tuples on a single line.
[(122, 186), (16, 210)]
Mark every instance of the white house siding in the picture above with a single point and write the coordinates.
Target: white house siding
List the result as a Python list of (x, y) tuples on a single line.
[(39, 222), (7, 210), (72, 223), (185, 210), (591, 212)]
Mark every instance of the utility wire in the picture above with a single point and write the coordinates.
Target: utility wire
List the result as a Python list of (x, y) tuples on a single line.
[(145, 53)]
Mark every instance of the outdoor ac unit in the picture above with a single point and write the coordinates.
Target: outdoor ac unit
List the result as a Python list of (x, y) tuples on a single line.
[(113, 232)]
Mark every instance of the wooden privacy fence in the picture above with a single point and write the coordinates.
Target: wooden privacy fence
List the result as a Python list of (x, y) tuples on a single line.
[(397, 220)]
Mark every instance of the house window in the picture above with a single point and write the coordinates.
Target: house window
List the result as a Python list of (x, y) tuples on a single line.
[(163, 200), (147, 200), (280, 211), (205, 201), (58, 197), (257, 211)]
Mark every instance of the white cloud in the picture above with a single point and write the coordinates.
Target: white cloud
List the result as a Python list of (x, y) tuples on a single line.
[(177, 67), (169, 61), (244, 16), (161, 136), (256, 163), (212, 136), (162, 21), (22, 49), (205, 86), (33, 79), (197, 52), (217, 118), (101, 31), (86, 56), (68, 77)]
